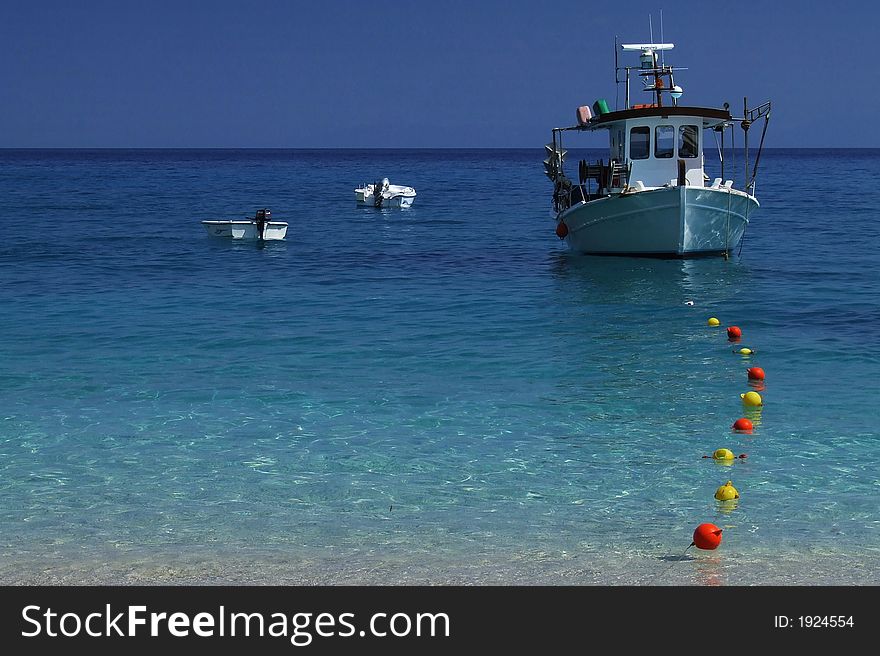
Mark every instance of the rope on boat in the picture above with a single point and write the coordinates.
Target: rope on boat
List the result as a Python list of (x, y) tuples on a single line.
[(760, 146), (727, 237), (748, 206)]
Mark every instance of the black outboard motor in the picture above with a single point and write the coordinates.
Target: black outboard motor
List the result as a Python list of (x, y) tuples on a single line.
[(262, 218), (378, 188)]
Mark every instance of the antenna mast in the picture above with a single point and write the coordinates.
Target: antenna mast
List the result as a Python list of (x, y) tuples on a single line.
[(616, 79), (662, 52)]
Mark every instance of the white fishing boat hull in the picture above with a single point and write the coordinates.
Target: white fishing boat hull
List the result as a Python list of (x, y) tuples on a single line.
[(393, 196), (244, 229), (679, 221)]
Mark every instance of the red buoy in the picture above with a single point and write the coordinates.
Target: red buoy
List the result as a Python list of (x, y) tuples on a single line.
[(707, 536), (734, 333), (561, 230), (743, 424), (756, 373)]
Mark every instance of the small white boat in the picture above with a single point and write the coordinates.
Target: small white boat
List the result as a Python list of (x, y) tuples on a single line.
[(652, 197), (384, 194), (260, 227)]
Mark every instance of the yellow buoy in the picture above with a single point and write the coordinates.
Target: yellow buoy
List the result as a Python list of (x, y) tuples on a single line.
[(723, 454), (714, 322), (752, 399), (745, 351), (726, 492)]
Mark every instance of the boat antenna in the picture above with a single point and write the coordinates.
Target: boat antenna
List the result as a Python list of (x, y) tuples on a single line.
[(651, 28), (616, 77), (662, 52)]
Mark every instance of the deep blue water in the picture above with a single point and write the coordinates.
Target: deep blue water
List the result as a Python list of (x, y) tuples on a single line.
[(439, 394)]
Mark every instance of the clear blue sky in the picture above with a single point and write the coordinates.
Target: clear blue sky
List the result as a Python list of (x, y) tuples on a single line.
[(445, 73)]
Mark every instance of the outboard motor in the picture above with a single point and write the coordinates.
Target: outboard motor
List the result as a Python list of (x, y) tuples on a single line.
[(379, 192), (262, 218)]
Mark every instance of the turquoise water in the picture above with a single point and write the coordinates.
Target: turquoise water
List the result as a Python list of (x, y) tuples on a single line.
[(442, 394)]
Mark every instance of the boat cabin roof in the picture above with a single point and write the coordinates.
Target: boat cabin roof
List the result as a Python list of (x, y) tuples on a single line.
[(710, 116)]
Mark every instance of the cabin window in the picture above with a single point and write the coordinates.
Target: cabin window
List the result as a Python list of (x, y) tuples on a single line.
[(640, 143), (664, 141), (688, 141)]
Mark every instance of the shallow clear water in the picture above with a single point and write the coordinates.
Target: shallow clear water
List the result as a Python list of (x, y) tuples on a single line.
[(439, 394)]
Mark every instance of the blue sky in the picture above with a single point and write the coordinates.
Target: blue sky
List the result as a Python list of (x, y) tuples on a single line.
[(446, 73)]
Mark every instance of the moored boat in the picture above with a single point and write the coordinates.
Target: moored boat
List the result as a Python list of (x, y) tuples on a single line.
[(261, 227), (653, 196), (384, 194)]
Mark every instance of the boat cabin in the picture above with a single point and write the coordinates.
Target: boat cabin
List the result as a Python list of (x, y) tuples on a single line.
[(658, 146)]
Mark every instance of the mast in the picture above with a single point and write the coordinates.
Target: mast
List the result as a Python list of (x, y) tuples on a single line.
[(746, 123)]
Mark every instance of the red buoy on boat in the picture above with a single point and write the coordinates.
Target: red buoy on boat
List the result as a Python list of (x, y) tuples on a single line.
[(707, 536), (755, 373), (561, 230), (733, 332), (743, 424)]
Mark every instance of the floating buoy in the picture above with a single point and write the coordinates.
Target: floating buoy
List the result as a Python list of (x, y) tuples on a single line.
[(727, 492), (714, 322), (707, 536), (752, 399), (728, 456), (561, 230), (723, 457), (733, 332), (745, 351), (743, 424), (755, 373)]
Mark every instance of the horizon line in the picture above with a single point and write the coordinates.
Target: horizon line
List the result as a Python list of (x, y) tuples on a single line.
[(414, 148)]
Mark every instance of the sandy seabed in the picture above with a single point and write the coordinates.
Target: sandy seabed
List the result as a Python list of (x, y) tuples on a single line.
[(690, 567)]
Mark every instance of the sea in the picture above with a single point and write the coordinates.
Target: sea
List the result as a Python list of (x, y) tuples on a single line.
[(437, 395)]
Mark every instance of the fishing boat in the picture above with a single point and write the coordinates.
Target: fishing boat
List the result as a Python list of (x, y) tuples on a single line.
[(653, 196), (384, 194), (260, 227)]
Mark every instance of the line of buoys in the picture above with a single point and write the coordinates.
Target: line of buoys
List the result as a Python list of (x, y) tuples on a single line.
[(708, 536)]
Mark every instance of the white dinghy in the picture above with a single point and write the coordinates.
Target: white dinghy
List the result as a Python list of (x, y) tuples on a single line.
[(384, 194), (261, 227)]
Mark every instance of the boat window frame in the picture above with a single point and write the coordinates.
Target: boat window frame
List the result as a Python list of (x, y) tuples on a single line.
[(696, 140), (646, 131), (667, 153)]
